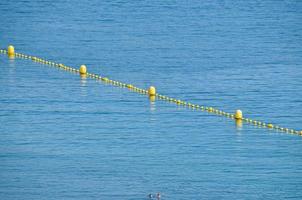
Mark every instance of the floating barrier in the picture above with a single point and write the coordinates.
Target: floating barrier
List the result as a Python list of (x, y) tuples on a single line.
[(151, 92), (83, 69), (11, 51)]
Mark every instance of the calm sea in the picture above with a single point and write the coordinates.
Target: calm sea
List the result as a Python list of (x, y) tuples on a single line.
[(63, 137)]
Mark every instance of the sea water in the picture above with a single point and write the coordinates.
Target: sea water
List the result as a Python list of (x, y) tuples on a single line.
[(67, 137)]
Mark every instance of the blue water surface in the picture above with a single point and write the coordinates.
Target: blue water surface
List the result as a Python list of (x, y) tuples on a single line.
[(67, 137)]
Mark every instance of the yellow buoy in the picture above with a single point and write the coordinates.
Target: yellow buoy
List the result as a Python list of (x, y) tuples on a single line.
[(10, 50), (105, 79), (238, 114), (152, 91), (270, 126), (83, 69), (129, 86)]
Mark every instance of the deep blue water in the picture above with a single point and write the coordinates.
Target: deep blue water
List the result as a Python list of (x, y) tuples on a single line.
[(63, 137)]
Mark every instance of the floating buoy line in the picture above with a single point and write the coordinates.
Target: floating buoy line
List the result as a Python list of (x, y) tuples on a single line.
[(151, 92)]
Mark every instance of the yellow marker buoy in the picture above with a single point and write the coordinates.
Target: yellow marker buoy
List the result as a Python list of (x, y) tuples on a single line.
[(238, 114), (270, 126), (152, 91), (10, 50), (105, 79), (83, 69), (129, 86)]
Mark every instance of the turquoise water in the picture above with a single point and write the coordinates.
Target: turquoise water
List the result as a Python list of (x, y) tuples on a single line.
[(63, 137)]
